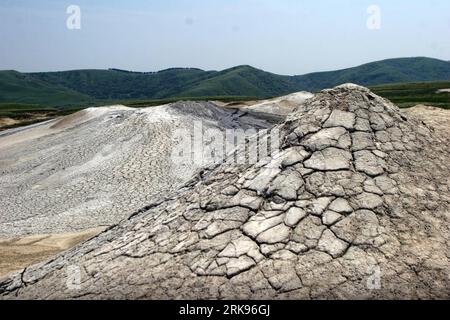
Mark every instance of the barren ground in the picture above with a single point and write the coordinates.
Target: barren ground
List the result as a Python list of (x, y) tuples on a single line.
[(98, 166), (61, 178), (355, 206), (21, 252), (7, 122), (437, 118)]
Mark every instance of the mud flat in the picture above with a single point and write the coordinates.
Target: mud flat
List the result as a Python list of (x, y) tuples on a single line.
[(100, 165), (59, 179), (355, 206), (21, 252)]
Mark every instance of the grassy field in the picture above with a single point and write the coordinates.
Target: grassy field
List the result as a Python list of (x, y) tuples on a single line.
[(407, 95), (19, 114), (404, 95), (17, 110)]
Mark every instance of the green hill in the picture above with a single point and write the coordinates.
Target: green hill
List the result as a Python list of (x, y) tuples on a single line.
[(82, 87), (123, 85), (242, 81), (381, 72), (22, 88)]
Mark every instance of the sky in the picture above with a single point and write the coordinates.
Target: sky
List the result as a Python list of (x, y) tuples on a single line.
[(281, 36)]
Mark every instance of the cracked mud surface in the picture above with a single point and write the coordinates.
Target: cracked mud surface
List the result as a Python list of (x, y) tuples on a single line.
[(357, 185), (97, 166), (437, 118)]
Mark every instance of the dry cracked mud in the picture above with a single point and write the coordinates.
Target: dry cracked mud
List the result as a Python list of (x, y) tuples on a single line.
[(93, 168), (356, 205)]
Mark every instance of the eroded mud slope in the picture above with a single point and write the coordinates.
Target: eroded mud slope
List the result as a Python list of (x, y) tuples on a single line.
[(98, 166), (355, 206)]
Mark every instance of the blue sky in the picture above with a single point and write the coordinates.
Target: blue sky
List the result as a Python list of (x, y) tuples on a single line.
[(281, 36)]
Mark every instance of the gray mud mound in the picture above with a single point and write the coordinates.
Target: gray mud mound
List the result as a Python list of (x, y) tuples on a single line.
[(95, 167), (281, 105), (356, 205)]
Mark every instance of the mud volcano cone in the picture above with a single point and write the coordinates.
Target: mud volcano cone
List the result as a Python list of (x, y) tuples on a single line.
[(355, 205)]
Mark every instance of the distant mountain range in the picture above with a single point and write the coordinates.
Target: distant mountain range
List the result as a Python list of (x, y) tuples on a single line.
[(78, 87)]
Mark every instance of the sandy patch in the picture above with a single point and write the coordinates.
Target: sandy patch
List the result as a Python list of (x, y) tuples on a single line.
[(21, 134), (7, 122), (18, 253)]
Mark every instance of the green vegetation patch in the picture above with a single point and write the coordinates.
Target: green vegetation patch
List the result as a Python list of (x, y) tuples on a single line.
[(22, 110), (410, 94)]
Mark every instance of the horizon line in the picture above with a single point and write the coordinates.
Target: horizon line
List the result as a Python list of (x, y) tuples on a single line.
[(213, 70)]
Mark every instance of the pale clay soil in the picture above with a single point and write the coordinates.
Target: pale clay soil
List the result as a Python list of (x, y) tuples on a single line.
[(437, 118), (96, 167), (7, 122), (21, 250), (358, 186), (61, 178)]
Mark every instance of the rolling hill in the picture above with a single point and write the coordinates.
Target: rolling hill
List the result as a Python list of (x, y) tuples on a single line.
[(402, 70), (84, 87), (16, 87)]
